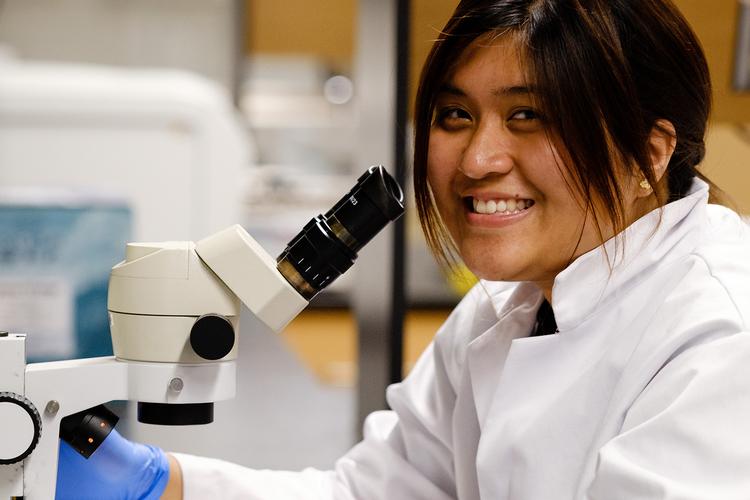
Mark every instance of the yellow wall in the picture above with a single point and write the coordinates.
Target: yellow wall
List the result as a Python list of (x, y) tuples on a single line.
[(714, 22), (327, 29), (727, 144), (428, 18), (727, 161), (302, 27)]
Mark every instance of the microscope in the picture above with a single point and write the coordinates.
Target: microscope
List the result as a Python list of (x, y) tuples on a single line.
[(174, 311)]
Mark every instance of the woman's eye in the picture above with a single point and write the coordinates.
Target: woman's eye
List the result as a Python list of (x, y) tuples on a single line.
[(452, 117), (526, 120), (525, 114)]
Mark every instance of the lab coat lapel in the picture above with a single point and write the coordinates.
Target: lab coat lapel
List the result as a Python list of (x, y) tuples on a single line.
[(487, 353), (544, 408)]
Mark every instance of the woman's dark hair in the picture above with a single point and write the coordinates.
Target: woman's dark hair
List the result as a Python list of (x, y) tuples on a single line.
[(605, 72)]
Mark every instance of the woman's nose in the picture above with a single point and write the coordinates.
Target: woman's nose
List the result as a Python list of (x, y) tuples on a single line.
[(488, 152)]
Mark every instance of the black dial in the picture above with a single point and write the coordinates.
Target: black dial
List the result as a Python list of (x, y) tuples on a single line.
[(212, 337), (16, 410)]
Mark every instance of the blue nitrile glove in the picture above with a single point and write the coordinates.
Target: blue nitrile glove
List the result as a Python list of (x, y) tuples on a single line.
[(118, 469)]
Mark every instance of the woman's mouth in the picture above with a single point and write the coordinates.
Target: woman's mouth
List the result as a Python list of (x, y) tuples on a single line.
[(499, 206)]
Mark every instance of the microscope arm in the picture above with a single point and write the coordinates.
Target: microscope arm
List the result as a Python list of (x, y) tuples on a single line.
[(62, 388), (68, 387)]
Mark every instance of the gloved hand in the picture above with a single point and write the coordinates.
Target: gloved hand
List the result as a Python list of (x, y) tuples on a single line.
[(118, 469)]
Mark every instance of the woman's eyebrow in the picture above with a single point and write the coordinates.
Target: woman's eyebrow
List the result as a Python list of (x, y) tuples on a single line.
[(512, 90), (515, 90)]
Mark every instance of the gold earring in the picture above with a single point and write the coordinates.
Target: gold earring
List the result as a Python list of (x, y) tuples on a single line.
[(645, 185)]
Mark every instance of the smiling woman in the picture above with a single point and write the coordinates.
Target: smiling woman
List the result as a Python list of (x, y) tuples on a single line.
[(496, 178), (514, 210), (602, 90)]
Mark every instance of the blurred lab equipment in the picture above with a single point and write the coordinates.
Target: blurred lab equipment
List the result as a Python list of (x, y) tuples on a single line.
[(56, 246), (174, 310), (169, 142), (304, 138), (199, 36)]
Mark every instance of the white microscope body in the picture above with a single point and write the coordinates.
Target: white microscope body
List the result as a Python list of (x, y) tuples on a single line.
[(156, 297), (174, 314)]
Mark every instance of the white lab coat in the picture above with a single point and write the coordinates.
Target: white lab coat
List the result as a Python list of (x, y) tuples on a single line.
[(643, 394)]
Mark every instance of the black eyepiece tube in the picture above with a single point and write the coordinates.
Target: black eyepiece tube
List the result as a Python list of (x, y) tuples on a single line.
[(327, 246), (375, 201)]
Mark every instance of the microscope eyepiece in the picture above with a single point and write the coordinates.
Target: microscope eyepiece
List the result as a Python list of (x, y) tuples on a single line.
[(327, 246), (374, 201)]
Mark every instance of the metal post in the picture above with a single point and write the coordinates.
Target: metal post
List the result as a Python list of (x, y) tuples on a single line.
[(398, 286), (378, 297), (741, 76), (239, 17)]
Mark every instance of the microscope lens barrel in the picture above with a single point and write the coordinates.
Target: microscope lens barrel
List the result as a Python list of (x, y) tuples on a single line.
[(327, 246)]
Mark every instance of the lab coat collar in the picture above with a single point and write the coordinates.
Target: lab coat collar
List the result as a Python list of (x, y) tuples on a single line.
[(593, 279)]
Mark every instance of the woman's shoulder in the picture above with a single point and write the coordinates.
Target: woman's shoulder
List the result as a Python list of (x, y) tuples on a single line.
[(726, 225), (725, 254)]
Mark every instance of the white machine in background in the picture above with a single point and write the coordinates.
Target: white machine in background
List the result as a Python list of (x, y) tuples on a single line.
[(174, 310), (168, 141)]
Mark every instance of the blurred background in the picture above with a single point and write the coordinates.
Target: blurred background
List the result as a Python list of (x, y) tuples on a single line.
[(171, 119)]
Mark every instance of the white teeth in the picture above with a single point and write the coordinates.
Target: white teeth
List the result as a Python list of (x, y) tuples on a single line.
[(505, 207)]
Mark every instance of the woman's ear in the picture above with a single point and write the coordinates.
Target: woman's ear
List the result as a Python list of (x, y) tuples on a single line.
[(661, 143)]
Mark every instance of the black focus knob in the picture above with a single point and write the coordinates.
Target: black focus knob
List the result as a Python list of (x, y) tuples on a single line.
[(20, 419), (212, 336)]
